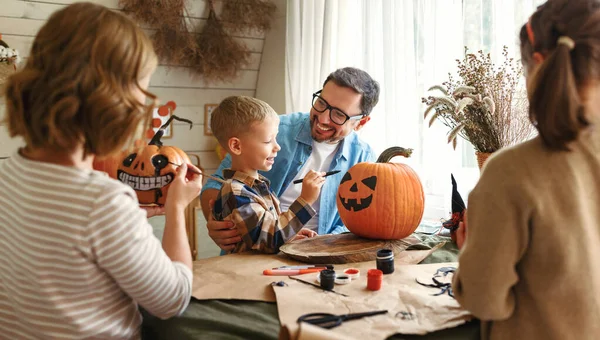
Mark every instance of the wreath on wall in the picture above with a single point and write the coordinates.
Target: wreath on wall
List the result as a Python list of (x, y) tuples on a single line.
[(214, 53)]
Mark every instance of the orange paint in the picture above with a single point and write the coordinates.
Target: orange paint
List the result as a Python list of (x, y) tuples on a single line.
[(374, 279)]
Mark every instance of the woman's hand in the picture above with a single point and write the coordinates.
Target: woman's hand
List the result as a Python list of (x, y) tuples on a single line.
[(185, 186), (153, 210), (461, 232)]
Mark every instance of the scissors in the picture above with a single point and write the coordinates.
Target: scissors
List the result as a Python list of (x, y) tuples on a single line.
[(326, 320)]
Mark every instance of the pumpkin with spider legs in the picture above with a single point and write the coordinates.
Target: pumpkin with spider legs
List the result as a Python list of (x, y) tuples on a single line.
[(381, 200), (150, 169)]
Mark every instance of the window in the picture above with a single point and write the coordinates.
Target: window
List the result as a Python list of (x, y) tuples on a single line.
[(407, 46)]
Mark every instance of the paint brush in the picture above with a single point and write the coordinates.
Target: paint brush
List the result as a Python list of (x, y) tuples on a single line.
[(200, 173), (328, 173), (307, 266), (316, 285)]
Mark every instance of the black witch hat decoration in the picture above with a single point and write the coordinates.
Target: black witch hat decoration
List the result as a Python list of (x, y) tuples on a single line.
[(458, 211)]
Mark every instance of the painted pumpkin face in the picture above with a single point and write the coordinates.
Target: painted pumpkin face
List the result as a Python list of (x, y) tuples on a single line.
[(151, 171), (381, 200), (354, 199)]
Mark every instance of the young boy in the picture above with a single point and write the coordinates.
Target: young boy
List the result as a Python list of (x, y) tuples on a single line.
[(247, 128)]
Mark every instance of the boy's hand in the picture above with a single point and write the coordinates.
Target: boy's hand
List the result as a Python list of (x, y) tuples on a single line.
[(311, 186), (302, 234)]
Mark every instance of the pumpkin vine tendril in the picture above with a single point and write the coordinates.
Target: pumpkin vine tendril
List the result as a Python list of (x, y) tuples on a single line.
[(161, 131), (392, 152)]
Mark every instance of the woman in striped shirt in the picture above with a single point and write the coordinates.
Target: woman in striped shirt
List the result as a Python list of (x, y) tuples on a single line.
[(77, 254)]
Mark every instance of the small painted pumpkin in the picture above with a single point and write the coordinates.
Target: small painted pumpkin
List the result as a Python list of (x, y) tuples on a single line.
[(381, 200), (108, 165), (149, 170)]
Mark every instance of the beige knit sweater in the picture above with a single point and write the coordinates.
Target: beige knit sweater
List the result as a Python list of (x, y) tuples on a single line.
[(530, 268)]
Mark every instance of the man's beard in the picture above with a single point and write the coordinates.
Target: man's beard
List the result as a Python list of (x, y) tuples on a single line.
[(331, 140)]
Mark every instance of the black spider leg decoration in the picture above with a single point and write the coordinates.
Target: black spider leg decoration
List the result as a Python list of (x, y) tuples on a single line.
[(445, 287), (427, 284)]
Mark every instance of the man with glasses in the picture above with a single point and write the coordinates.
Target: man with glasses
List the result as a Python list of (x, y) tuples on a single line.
[(322, 140)]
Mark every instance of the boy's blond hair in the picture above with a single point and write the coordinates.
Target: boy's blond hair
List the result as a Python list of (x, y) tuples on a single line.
[(235, 115), (78, 85)]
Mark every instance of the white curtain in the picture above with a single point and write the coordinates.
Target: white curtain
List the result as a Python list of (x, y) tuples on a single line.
[(407, 46)]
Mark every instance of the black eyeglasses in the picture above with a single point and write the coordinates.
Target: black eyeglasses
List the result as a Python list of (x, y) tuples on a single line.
[(336, 115)]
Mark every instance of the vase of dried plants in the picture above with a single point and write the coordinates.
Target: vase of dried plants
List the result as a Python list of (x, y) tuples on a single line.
[(484, 105), (481, 158)]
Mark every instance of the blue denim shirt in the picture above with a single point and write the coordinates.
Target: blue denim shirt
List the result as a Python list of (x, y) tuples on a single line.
[(296, 145)]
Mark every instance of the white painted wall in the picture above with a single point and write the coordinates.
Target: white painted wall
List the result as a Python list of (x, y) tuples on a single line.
[(271, 77)]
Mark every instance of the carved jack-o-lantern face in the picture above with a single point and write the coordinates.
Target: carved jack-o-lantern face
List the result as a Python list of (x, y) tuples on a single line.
[(151, 171), (381, 200), (356, 194)]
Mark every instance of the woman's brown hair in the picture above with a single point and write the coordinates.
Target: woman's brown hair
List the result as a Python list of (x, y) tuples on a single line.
[(567, 34), (79, 83)]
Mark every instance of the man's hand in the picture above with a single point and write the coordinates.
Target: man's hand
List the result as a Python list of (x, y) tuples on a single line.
[(302, 234), (223, 233), (461, 232)]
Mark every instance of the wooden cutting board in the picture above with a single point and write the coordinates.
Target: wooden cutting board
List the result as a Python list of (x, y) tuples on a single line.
[(342, 248)]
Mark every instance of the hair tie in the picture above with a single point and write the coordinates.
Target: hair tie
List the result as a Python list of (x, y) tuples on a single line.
[(530, 34), (564, 40)]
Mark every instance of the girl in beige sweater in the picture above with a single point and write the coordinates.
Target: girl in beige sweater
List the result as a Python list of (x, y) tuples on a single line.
[(529, 264)]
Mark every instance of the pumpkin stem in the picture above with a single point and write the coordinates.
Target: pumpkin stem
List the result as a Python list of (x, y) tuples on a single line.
[(392, 152), (158, 135)]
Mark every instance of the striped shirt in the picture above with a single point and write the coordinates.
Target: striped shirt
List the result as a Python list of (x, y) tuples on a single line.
[(253, 207), (77, 255)]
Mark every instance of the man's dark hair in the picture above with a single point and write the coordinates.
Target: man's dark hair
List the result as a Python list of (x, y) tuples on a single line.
[(361, 82)]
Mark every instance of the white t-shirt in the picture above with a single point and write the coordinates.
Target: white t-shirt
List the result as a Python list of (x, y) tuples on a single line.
[(319, 160)]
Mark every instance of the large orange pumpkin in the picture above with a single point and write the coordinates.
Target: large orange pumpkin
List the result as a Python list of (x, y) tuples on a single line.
[(381, 200), (148, 170)]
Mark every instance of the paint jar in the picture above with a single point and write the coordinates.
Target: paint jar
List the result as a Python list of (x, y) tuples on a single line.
[(342, 279), (327, 278), (352, 273), (385, 260), (374, 279)]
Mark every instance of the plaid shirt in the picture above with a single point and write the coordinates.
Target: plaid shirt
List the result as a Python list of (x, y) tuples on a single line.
[(253, 207)]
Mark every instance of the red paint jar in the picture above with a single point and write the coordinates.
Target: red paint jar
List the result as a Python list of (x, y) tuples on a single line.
[(374, 279)]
